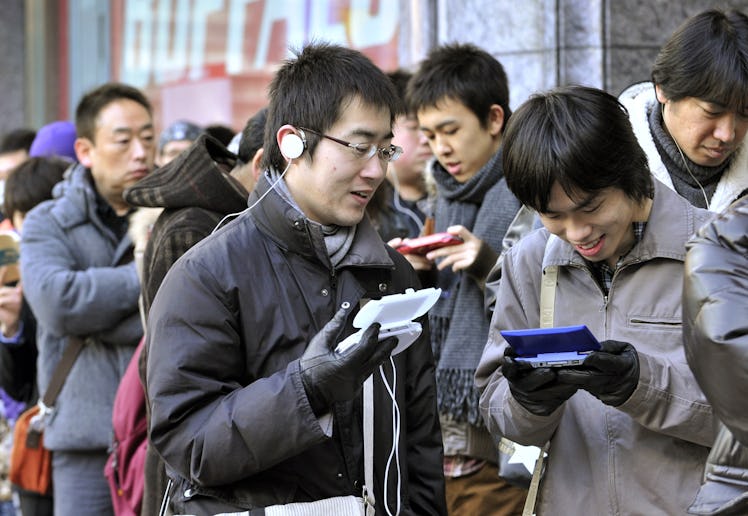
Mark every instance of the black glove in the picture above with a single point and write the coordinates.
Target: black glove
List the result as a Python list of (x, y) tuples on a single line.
[(329, 377), (535, 388), (610, 375)]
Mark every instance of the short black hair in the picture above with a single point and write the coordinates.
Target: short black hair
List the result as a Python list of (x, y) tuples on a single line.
[(220, 132), (578, 137), (706, 58), (17, 139), (94, 101), (315, 87), (252, 136), (31, 182), (461, 72), (400, 78)]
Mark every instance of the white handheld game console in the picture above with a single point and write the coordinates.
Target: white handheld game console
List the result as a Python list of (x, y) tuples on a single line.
[(395, 314)]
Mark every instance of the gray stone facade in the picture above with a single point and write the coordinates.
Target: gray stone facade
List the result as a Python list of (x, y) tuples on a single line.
[(608, 44), (12, 58)]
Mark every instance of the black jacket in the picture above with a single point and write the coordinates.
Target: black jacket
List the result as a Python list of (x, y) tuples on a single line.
[(18, 361), (715, 334), (229, 413), (196, 192)]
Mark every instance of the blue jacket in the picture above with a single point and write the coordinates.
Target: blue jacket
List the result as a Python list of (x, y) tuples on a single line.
[(74, 287)]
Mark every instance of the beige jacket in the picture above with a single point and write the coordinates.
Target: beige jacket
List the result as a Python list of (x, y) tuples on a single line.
[(647, 455), (639, 99)]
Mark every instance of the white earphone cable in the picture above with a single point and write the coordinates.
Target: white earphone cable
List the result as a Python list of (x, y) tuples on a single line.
[(236, 214), (395, 450), (685, 164)]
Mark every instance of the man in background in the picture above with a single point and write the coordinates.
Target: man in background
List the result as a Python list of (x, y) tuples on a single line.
[(174, 139), (14, 150), (80, 281), (692, 119), (461, 96)]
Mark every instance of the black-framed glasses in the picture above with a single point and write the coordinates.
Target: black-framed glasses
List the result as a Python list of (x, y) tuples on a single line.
[(364, 151)]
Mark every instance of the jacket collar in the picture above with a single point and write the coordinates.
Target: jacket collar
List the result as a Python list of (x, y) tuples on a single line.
[(671, 223), (80, 198), (292, 231), (76, 204)]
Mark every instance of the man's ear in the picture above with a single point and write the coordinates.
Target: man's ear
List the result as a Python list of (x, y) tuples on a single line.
[(661, 98), (495, 120), (83, 150), (256, 163)]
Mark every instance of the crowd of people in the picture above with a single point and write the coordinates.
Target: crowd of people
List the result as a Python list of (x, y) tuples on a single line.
[(212, 274)]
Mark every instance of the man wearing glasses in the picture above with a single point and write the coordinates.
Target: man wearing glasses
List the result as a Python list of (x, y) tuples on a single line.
[(251, 407)]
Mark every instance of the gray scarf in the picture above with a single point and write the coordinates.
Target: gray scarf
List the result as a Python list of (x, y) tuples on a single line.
[(459, 326)]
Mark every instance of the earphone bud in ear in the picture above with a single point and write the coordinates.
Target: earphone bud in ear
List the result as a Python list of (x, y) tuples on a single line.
[(292, 146)]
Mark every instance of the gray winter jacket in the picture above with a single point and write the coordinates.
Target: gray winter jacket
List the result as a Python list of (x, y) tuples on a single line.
[(74, 287), (646, 455), (715, 302)]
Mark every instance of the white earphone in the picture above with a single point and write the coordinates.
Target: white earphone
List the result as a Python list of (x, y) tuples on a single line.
[(292, 146)]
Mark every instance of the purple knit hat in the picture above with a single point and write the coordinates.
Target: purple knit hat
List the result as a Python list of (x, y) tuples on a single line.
[(55, 139)]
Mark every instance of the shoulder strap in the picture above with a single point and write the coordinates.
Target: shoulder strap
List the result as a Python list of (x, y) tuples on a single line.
[(369, 500), (72, 350), (547, 305), (548, 289)]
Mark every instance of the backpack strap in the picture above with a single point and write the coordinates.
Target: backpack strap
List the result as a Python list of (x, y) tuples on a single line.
[(547, 305)]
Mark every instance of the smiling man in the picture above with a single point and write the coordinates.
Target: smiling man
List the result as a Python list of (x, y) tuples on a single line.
[(246, 322), (79, 278), (692, 119), (631, 412)]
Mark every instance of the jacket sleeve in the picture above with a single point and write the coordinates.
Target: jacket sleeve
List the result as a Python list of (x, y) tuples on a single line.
[(208, 421), (668, 401), (67, 297), (18, 361), (515, 308), (715, 330)]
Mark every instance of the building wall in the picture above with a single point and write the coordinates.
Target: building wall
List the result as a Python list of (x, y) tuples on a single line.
[(12, 56), (635, 30), (609, 44), (542, 43)]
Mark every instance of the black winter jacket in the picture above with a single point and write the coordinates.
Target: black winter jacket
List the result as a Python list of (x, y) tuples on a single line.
[(715, 332), (229, 413), (196, 191)]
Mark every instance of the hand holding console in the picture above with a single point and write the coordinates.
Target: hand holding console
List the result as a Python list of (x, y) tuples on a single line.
[(422, 245), (329, 377), (395, 314), (537, 389), (611, 374)]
